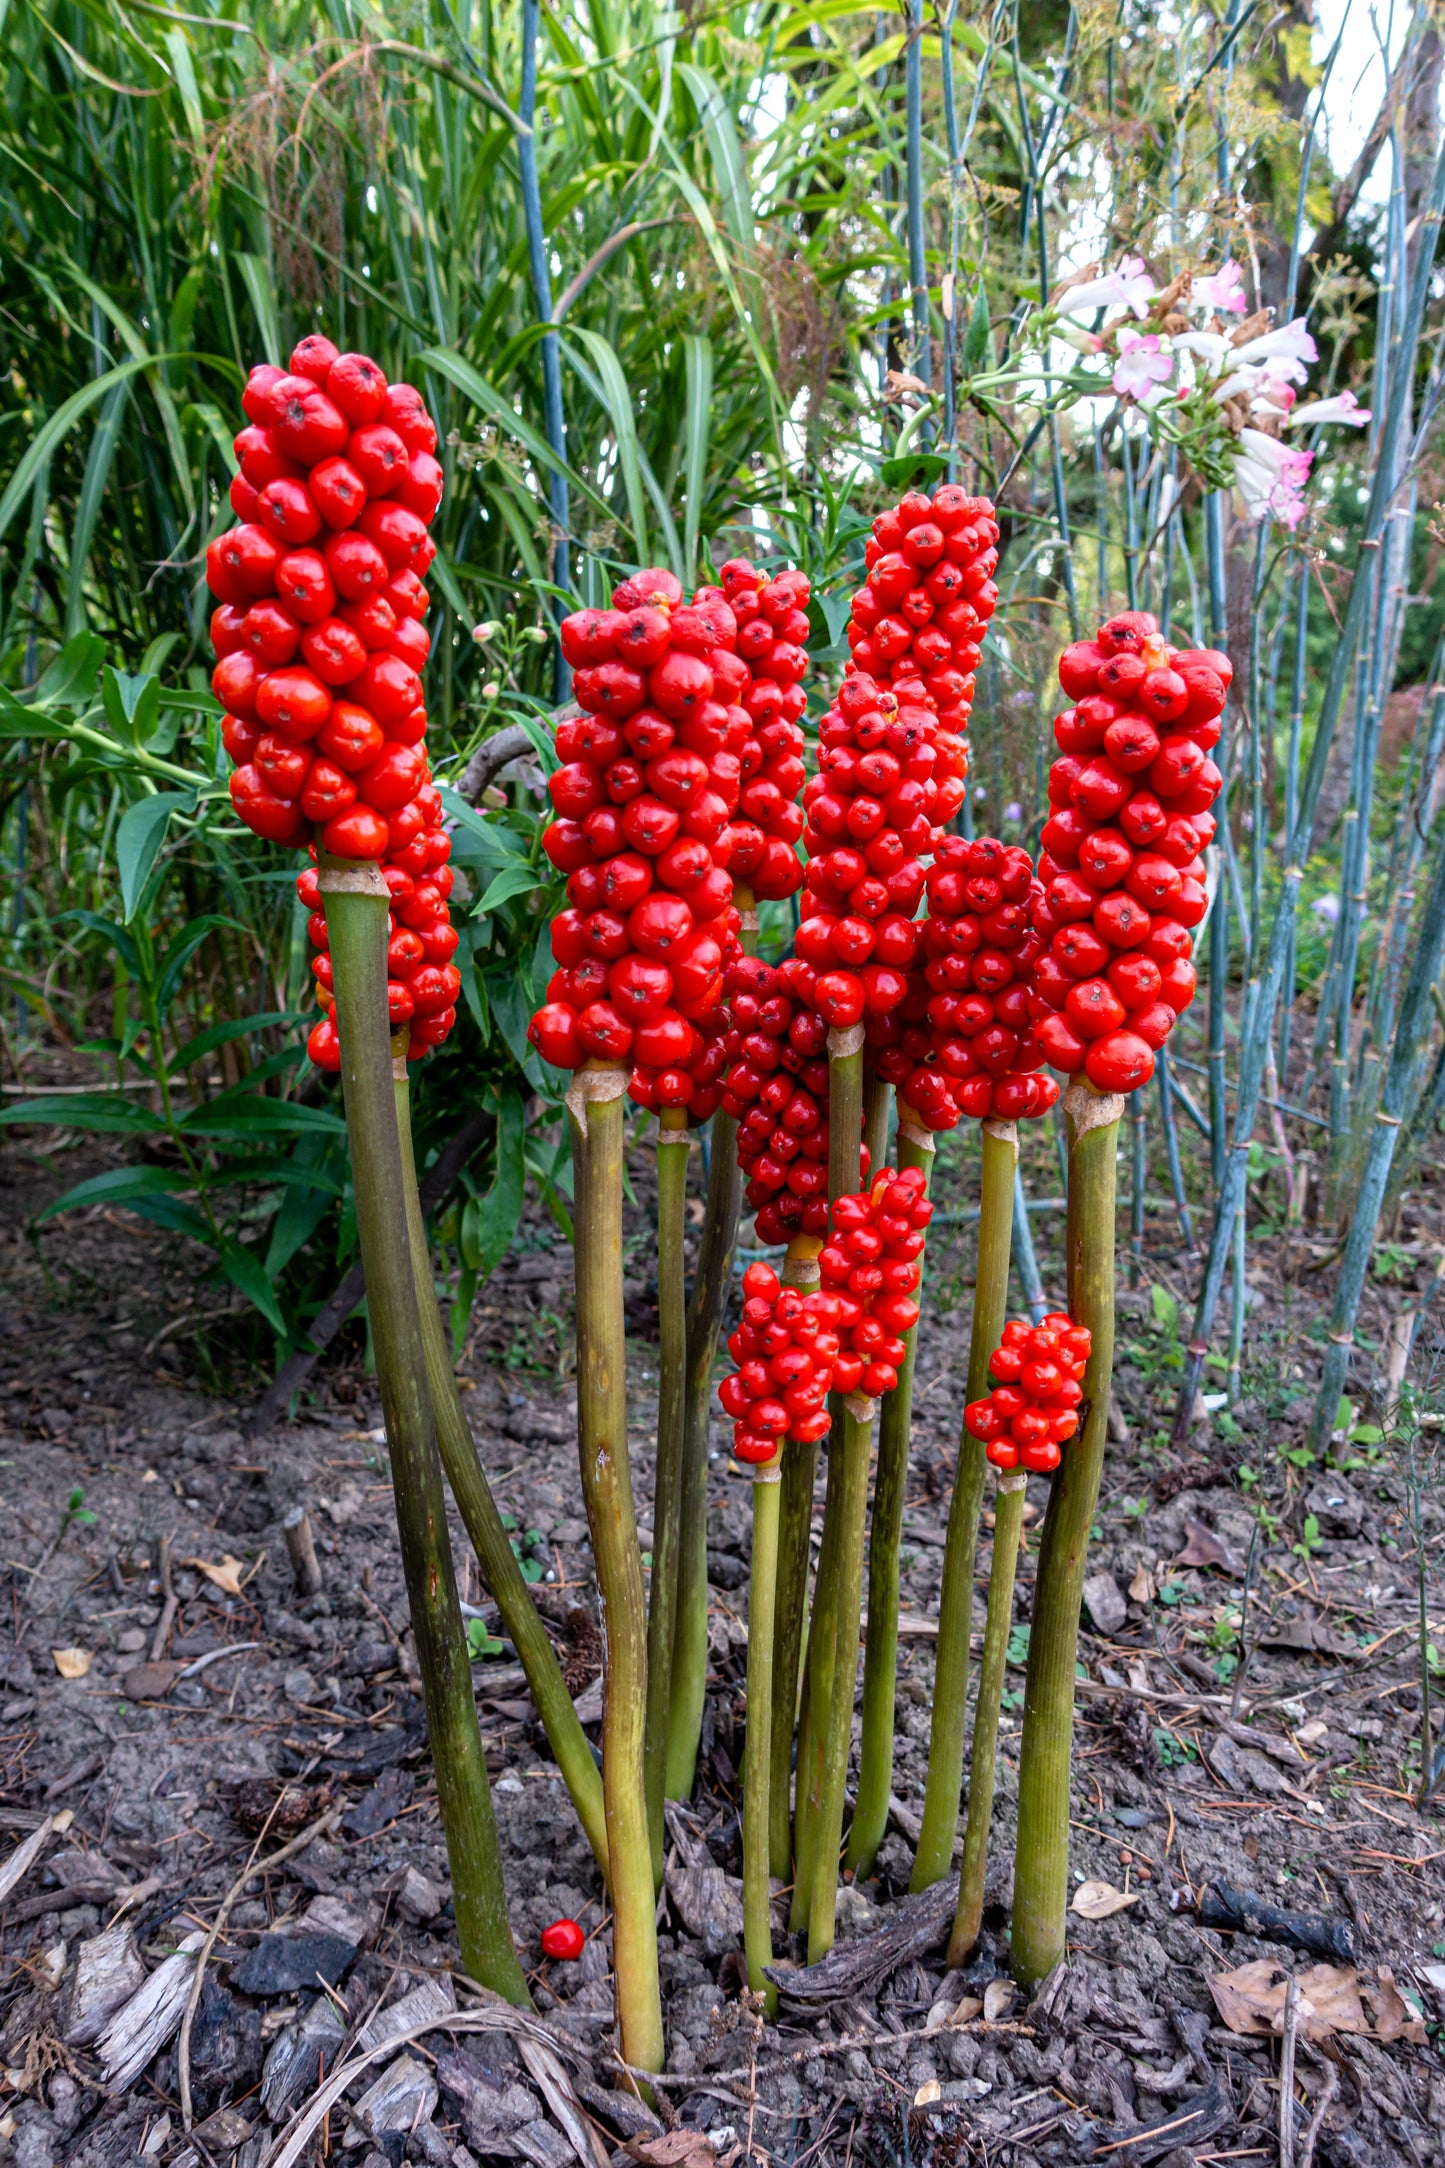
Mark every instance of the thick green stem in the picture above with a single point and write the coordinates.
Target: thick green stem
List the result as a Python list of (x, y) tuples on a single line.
[(857, 1444), (672, 1156), (934, 1856), (483, 1523), (356, 903), (880, 1662), (687, 1686), (757, 1765), (845, 1122), (1009, 1495), (875, 1119), (1041, 1861), (595, 1105), (800, 1466)]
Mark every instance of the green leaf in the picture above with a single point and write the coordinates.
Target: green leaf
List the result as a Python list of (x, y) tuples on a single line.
[(480, 1642), (19, 721), (121, 1186), (139, 837), (239, 1027), (612, 390), (243, 1268), (180, 952), (247, 1114), (978, 338), (697, 351), (489, 1222), (69, 680), (492, 836), (512, 881), (132, 704), (43, 443), (84, 1110), (912, 468), (1165, 1308)]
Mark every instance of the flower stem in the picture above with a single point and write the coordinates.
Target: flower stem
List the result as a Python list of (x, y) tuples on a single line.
[(880, 1662), (1041, 1861), (688, 1655), (939, 1834), (1008, 1495), (875, 1118), (672, 1157), (356, 905), (757, 1766), (595, 1107), (852, 1514), (483, 1523), (800, 1466)]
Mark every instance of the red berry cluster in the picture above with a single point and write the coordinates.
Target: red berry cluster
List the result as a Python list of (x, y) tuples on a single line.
[(422, 983), (923, 610), (975, 1052), (772, 634), (649, 778), (871, 1263), (1122, 875), (319, 632), (786, 1350), (1034, 1408), (776, 1089)]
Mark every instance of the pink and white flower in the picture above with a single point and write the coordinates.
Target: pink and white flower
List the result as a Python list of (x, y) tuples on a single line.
[(1209, 347), (1344, 407), (1129, 287), (1273, 397), (1270, 476), (1288, 347), (1142, 365), (1222, 290)]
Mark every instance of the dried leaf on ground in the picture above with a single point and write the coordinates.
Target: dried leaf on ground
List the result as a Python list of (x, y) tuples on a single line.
[(1332, 2000), (1100, 1900), (674, 2149), (229, 1575), (1394, 2018), (1202, 1547), (72, 1663), (996, 1998)]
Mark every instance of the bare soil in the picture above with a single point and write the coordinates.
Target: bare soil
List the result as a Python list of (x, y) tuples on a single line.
[(1302, 1796)]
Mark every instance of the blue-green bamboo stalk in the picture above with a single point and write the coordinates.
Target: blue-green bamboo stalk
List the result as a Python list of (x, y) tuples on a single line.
[(1025, 1256), (1291, 791), (1297, 848), (1171, 1147), (917, 260), (553, 419), (1219, 920)]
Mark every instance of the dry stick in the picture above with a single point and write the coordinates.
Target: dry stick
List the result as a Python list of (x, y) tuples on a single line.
[(880, 1663), (688, 1654), (318, 1828), (1286, 2073), (672, 1157), (1009, 1493), (815, 1729), (168, 1609), (1313, 2127), (1041, 1861), (301, 1550), (934, 1856), (795, 1517), (595, 1106), (356, 901), (501, 1569)]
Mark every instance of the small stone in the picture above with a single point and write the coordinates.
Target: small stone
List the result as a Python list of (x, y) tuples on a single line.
[(1104, 1600), (282, 1964), (131, 1642), (417, 1899)]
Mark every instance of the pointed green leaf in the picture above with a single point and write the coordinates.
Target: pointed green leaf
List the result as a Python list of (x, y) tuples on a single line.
[(138, 840)]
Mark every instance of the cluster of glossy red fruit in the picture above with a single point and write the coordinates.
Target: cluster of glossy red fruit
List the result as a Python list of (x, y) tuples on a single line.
[(787, 1350), (1034, 1407), (922, 612), (1121, 871), (422, 982), (319, 628), (974, 1051), (650, 776), (776, 1089), (772, 635), (871, 1262)]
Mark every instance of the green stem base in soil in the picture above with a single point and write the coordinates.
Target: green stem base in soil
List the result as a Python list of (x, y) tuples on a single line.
[(672, 1158), (356, 903), (1041, 1860), (483, 1523), (852, 1509), (1009, 1493), (595, 1105), (800, 1466), (757, 1764), (934, 1856), (687, 1684), (880, 1663)]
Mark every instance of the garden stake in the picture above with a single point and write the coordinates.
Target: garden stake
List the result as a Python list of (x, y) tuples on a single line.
[(483, 1523), (934, 1855), (595, 1107), (880, 1663), (672, 1158), (1041, 1860), (356, 899)]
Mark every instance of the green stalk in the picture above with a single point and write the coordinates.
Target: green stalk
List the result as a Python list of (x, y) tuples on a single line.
[(687, 1685), (483, 1523), (845, 1121), (800, 1466), (875, 1120), (757, 1764), (1041, 1861), (356, 905), (857, 1451), (672, 1155), (595, 1106), (1009, 1493), (880, 1661), (934, 1857)]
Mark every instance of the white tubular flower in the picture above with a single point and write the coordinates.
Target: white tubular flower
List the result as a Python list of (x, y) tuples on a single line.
[(1222, 290), (1344, 407), (1210, 347), (1141, 366), (1288, 346), (1230, 386), (1130, 287), (1270, 476)]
